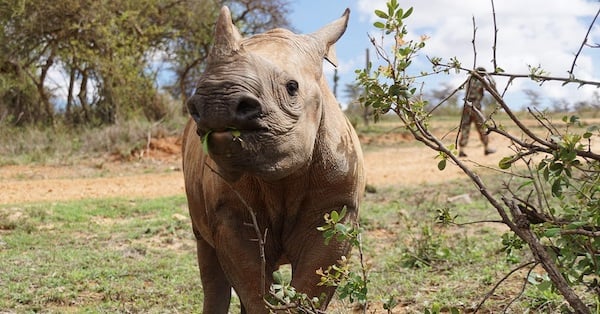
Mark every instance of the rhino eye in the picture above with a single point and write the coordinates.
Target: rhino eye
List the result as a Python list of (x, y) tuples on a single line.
[(292, 87)]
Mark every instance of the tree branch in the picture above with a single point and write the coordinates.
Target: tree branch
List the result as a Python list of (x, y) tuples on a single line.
[(259, 234), (491, 292), (494, 60), (583, 43)]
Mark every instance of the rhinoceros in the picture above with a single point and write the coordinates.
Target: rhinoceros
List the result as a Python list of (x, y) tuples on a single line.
[(266, 154)]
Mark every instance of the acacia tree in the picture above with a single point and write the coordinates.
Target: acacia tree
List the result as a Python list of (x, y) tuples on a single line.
[(550, 200), (192, 31), (107, 51)]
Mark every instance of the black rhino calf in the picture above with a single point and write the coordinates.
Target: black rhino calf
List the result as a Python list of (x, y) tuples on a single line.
[(276, 142)]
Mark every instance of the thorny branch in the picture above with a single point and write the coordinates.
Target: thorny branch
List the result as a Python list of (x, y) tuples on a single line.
[(494, 59), (547, 144), (583, 43), (260, 237), (491, 292), (510, 209), (525, 281), (545, 78), (473, 42)]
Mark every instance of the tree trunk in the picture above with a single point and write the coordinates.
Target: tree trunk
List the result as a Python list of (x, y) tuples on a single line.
[(70, 92), (41, 87), (83, 95)]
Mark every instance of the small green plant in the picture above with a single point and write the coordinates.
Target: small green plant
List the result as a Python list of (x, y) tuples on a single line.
[(511, 244), (543, 295), (351, 285), (284, 297), (425, 248), (437, 308)]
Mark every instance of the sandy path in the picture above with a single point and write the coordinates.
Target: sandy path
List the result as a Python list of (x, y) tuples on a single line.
[(401, 163)]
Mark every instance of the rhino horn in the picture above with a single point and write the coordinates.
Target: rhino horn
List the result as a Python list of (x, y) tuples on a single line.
[(227, 37), (329, 34)]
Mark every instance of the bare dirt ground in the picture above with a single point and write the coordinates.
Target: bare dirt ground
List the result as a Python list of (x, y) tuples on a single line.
[(390, 159)]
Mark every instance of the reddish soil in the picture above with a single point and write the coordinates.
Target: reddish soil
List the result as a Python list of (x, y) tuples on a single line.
[(390, 159)]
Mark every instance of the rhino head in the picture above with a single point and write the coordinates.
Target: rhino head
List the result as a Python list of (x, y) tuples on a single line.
[(258, 106)]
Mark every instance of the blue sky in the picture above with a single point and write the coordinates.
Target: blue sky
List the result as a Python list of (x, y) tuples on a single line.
[(531, 32)]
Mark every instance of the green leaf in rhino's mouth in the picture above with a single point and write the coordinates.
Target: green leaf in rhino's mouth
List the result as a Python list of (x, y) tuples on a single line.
[(204, 141), (235, 133)]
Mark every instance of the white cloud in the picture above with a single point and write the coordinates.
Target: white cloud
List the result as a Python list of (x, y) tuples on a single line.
[(530, 32)]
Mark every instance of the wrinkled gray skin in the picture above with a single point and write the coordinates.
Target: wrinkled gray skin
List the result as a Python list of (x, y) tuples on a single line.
[(295, 159)]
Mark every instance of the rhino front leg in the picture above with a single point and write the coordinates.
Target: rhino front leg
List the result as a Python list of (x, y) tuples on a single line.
[(304, 276), (239, 255), (310, 253), (217, 289)]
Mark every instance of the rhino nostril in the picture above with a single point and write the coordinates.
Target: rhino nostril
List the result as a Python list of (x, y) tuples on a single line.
[(191, 106), (248, 108)]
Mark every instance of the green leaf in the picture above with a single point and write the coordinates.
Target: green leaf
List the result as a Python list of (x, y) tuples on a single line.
[(341, 228), (541, 165), (505, 162), (277, 277), (335, 217), (381, 14), (442, 164), (525, 184), (556, 188), (205, 142), (408, 13), (235, 132), (379, 25), (551, 232), (556, 167)]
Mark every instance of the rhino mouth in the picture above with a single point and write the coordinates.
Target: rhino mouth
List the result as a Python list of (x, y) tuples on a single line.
[(229, 143)]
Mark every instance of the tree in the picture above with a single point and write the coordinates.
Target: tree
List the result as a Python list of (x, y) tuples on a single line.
[(107, 50), (353, 92), (192, 34), (446, 94), (533, 96), (550, 201)]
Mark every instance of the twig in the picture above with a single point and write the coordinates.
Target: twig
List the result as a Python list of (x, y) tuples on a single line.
[(489, 294), (473, 42), (259, 235), (521, 227), (478, 222), (362, 260), (525, 281), (545, 78), (494, 60), (538, 116), (583, 232), (447, 97), (583, 43)]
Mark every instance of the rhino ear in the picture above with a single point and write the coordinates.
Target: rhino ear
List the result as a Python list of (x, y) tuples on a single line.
[(227, 37), (329, 34)]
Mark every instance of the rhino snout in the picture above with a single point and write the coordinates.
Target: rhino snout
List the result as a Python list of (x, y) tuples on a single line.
[(239, 112)]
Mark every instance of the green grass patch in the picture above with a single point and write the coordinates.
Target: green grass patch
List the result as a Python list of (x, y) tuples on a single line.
[(416, 263), (122, 255), (109, 256)]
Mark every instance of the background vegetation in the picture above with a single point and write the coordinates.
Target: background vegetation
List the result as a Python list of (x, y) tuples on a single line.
[(111, 54)]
